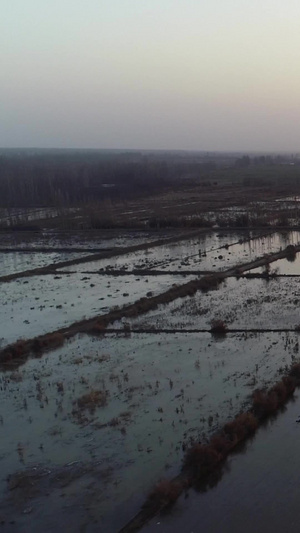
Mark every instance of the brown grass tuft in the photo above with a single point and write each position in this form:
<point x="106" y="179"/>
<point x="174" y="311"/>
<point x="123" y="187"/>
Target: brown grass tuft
<point x="241" y="427"/>
<point x="165" y="493"/>
<point x="221" y="444"/>
<point x="50" y="340"/>
<point x="295" y="370"/>
<point x="291" y="252"/>
<point x="218" y="327"/>
<point x="208" y="283"/>
<point x="203" y="459"/>
<point x="95" y="398"/>
<point x="265" y="403"/>
<point x="290" y="384"/>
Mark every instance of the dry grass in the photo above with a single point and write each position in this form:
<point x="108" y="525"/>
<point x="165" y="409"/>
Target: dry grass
<point x="241" y="427"/>
<point x="291" y="252"/>
<point x="266" y="403"/>
<point x="202" y="459"/>
<point x="14" y="351"/>
<point x="218" y="327"/>
<point x="95" y="398"/>
<point x="208" y="283"/>
<point x="50" y="340"/>
<point x="164" y="493"/>
<point x="295" y="371"/>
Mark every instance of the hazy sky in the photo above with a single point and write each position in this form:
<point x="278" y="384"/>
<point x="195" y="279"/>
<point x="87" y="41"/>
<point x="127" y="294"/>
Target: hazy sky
<point x="174" y="74"/>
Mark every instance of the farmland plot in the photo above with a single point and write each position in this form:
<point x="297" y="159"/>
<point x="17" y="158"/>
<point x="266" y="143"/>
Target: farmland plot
<point x="90" y="417"/>
<point x="80" y="423"/>
<point x="240" y="303"/>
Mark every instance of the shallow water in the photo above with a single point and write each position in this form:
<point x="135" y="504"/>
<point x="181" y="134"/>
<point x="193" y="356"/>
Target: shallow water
<point x="44" y="303"/>
<point x="79" y="239"/>
<point x="207" y="252"/>
<point x="259" y="490"/>
<point x="162" y="390"/>
<point x="15" y="262"/>
<point x="160" y="257"/>
<point x="41" y="304"/>
<point x="240" y="303"/>
<point x="282" y="267"/>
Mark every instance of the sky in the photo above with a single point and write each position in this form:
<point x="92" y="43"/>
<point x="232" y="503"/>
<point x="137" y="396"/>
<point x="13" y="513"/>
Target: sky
<point x="214" y="75"/>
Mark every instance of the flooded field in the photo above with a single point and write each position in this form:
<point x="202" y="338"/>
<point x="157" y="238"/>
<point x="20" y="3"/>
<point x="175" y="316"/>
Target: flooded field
<point x="79" y="240"/>
<point x="15" y="262"/>
<point x="170" y="255"/>
<point x="240" y="303"/>
<point x="102" y="412"/>
<point x="208" y="252"/>
<point x="283" y="267"/>
<point x="81" y="422"/>
<point x="40" y="304"/>
<point x="258" y="491"/>
<point x="22" y="215"/>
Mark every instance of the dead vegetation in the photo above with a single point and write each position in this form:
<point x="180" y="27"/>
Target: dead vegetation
<point x="203" y="460"/>
<point x="291" y="252"/>
<point x="95" y="398"/>
<point x="164" y="494"/>
<point x="21" y="349"/>
<point x="85" y="407"/>
<point x="266" y="403"/>
<point x="218" y="327"/>
<point x="48" y="341"/>
<point x="144" y="305"/>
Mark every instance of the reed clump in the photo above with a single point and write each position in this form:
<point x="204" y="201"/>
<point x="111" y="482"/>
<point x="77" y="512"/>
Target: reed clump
<point x="295" y="372"/>
<point x="218" y="327"/>
<point x="202" y="459"/>
<point x="165" y="493"/>
<point x="239" y="429"/>
<point x="93" y="399"/>
<point x="291" y="252"/>
<point x="266" y="403"/>
<point x="50" y="340"/>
